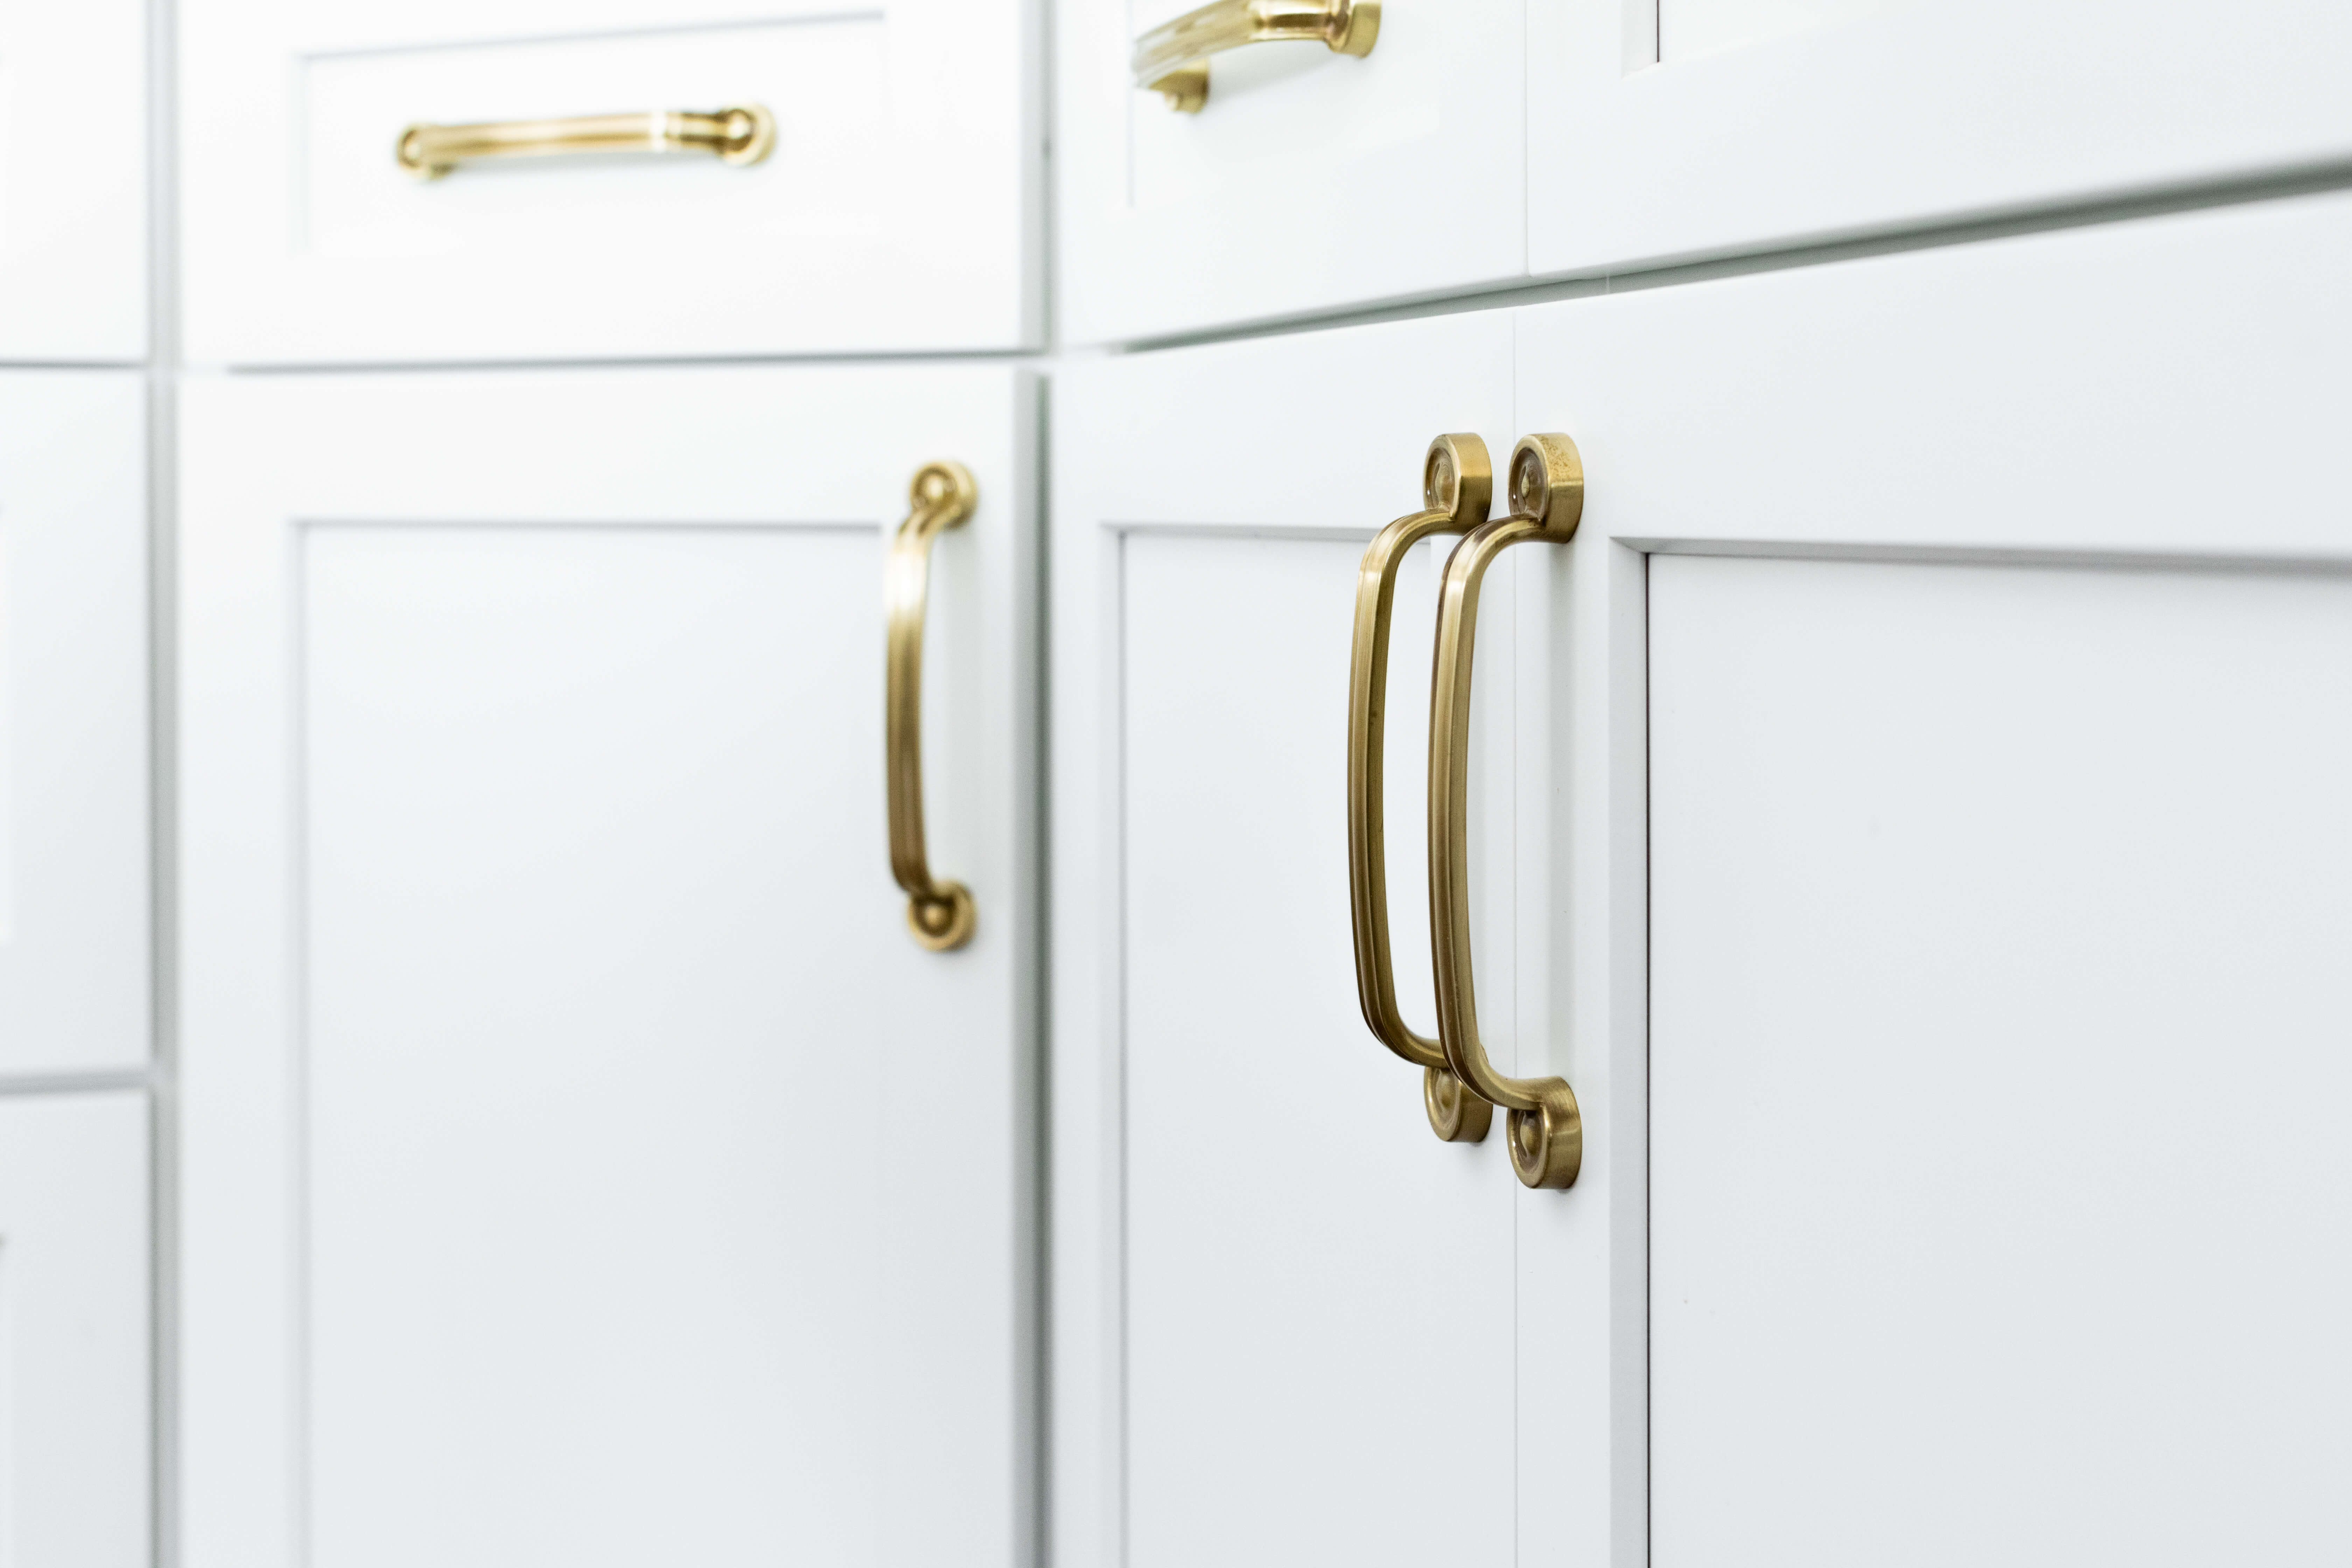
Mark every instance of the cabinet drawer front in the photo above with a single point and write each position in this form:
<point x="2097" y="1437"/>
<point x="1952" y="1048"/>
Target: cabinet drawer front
<point x="74" y="1327"/>
<point x="891" y="210"/>
<point x="1309" y="181"/>
<point x="1687" y="129"/>
<point x="74" y="801"/>
<point x="73" y="182"/>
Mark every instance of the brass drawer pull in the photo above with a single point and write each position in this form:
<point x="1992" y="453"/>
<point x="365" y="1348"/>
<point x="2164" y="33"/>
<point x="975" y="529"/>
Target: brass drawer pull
<point x="1173" y="60"/>
<point x="942" y="496"/>
<point x="1457" y="486"/>
<point x="740" y="135"/>
<point x="1547" y="1131"/>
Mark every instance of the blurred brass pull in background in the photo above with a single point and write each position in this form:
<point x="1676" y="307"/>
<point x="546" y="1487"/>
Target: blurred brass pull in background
<point x="738" y="135"/>
<point x="1173" y="59"/>
<point x="942" y="496"/>
<point x="1457" y="488"/>
<point x="1547" y="497"/>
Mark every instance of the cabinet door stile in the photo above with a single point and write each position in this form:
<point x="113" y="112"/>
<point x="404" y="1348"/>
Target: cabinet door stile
<point x="75" y="803"/>
<point x="1579" y="737"/>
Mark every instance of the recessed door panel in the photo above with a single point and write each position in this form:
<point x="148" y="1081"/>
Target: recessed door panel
<point x="1997" y="922"/>
<point x="1292" y="1228"/>
<point x="569" y="1290"/>
<point x="1688" y="29"/>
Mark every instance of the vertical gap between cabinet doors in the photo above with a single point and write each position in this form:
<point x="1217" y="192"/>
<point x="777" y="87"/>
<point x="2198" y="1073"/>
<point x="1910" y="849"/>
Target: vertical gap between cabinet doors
<point x="1126" y="1547"/>
<point x="1649" y="999"/>
<point x="161" y="374"/>
<point x="1039" y="1275"/>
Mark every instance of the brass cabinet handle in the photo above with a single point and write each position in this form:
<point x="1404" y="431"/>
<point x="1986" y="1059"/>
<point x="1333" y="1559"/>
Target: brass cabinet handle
<point x="1457" y="486"/>
<point x="1173" y="59"/>
<point x="1546" y="495"/>
<point x="744" y="134"/>
<point x="942" y="496"/>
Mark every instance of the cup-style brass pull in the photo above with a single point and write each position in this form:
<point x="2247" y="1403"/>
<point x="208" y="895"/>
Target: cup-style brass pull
<point x="1173" y="59"/>
<point x="1457" y="484"/>
<point x="738" y="135"/>
<point x="942" y="496"/>
<point x="1547" y="497"/>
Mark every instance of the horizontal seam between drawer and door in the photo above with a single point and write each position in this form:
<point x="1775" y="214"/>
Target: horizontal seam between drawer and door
<point x="2244" y="190"/>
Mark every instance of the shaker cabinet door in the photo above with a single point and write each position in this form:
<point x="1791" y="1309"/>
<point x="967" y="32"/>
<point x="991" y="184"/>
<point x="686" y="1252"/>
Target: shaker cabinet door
<point x="1999" y="661"/>
<point x="1672" y="130"/>
<point x="1284" y="1313"/>
<point x="1310" y="177"/>
<point x="586" y="1162"/>
<point x="478" y="180"/>
<point x="75" y="805"/>
<point x="73" y="182"/>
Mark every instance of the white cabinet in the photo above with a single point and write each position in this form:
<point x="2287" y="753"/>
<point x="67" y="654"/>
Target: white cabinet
<point x="1679" y="129"/>
<point x="74" y="793"/>
<point x="895" y="206"/>
<point x="73" y="182"/>
<point x="1309" y="180"/>
<point x="584" y="1161"/>
<point x="73" y="1329"/>
<point x="1907" y="813"/>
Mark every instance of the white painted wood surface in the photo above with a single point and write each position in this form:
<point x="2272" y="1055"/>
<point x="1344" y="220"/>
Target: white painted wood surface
<point x="1994" y="776"/>
<point x="74" y="801"/>
<point x="900" y="209"/>
<point x="73" y="182"/>
<point x="1999" y="1003"/>
<point x="581" y="1156"/>
<point x="1283" y="1310"/>
<point x="74" y="1331"/>
<point x="1696" y="128"/>
<point x="1309" y="182"/>
<point x="1945" y="506"/>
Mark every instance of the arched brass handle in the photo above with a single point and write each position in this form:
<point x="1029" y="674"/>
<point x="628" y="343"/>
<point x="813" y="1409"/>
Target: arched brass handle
<point x="1457" y="486"/>
<point x="744" y="134"/>
<point x="942" y="496"/>
<point x="1173" y="59"/>
<point x="1547" y="497"/>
